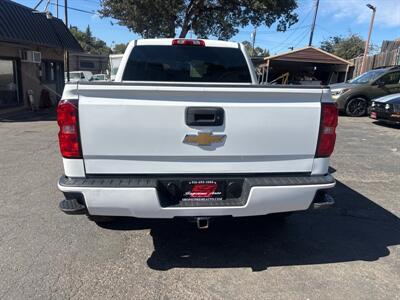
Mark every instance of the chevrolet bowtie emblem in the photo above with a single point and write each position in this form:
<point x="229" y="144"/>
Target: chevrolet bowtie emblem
<point x="204" y="138"/>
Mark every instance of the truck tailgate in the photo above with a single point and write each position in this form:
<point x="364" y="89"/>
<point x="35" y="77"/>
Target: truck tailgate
<point x="140" y="128"/>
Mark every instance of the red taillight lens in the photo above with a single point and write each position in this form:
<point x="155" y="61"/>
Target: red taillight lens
<point x="327" y="131"/>
<point x="68" y="136"/>
<point x="185" y="42"/>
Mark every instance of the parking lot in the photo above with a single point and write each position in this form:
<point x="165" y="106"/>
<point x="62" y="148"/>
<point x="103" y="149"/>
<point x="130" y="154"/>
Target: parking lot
<point x="351" y="250"/>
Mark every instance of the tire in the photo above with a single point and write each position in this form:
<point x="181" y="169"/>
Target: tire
<point x="356" y="107"/>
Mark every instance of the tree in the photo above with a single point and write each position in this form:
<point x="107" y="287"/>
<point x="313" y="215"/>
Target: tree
<point x="88" y="36"/>
<point x="345" y="47"/>
<point x="88" y="42"/>
<point x="119" y="48"/>
<point x="257" y="50"/>
<point x="219" y="18"/>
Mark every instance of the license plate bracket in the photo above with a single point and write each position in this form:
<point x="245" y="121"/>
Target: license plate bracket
<point x="203" y="190"/>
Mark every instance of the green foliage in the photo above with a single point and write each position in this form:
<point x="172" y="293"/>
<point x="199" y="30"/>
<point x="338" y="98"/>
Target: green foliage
<point x="344" y="47"/>
<point x="89" y="43"/>
<point x="119" y="48"/>
<point x="219" y="18"/>
<point x="257" y="50"/>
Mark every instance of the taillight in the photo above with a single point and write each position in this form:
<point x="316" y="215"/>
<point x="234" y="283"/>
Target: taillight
<point x="68" y="136"/>
<point x="327" y="130"/>
<point x="185" y="42"/>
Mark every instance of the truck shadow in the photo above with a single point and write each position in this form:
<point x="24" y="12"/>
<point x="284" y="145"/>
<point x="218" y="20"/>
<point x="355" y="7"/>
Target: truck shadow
<point x="28" y="116"/>
<point x="354" y="229"/>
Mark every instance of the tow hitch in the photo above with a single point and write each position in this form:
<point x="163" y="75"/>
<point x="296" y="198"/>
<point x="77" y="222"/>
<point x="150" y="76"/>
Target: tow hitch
<point x="202" y="222"/>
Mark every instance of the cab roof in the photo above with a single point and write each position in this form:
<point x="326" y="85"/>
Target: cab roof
<point x="168" y="42"/>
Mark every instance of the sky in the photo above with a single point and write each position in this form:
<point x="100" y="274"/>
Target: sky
<point x="335" y="17"/>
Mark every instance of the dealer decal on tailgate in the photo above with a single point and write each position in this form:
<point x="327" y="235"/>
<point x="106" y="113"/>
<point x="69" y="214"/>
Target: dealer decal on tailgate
<point x="203" y="190"/>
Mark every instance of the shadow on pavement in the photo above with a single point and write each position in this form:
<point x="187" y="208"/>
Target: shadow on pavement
<point x="28" y="116"/>
<point x="354" y="229"/>
<point x="383" y="124"/>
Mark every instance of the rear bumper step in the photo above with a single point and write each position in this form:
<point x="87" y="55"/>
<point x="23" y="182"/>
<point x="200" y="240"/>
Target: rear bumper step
<point x="143" y="198"/>
<point x="72" y="207"/>
<point x="151" y="181"/>
<point x="322" y="200"/>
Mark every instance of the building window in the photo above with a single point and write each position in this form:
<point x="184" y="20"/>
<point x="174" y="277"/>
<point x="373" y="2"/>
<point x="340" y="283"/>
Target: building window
<point x="8" y="83"/>
<point x="84" y="64"/>
<point x="48" y="71"/>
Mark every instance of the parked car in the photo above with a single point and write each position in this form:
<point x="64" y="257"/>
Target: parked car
<point x="185" y="130"/>
<point x="386" y="109"/>
<point x="354" y="96"/>
<point x="75" y="76"/>
<point x="99" y="77"/>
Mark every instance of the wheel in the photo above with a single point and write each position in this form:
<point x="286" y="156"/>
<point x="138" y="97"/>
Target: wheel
<point x="101" y="219"/>
<point x="356" y="107"/>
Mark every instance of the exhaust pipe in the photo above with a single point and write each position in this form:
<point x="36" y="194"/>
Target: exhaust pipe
<point x="202" y="222"/>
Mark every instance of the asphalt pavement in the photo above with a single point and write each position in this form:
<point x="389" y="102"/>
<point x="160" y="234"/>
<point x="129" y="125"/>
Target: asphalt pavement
<point x="349" y="251"/>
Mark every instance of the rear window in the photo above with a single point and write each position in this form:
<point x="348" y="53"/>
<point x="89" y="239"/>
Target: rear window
<point x="187" y="64"/>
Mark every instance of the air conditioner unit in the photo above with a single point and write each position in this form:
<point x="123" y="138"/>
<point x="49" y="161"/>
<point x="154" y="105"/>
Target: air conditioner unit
<point x="31" y="56"/>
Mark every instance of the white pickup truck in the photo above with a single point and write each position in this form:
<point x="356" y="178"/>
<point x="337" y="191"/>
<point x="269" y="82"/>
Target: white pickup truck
<point x="185" y="130"/>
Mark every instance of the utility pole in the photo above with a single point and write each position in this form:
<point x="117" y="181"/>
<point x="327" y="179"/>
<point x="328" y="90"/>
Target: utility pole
<point x="66" y="24"/>
<point x="57" y="8"/>
<point x="253" y="36"/>
<point x="363" y="65"/>
<point x="313" y="24"/>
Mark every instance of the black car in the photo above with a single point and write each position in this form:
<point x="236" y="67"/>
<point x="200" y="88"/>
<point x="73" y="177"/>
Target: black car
<point x="386" y="109"/>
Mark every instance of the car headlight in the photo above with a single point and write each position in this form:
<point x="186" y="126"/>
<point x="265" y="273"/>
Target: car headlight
<point x="387" y="106"/>
<point x="373" y="104"/>
<point x="338" y="92"/>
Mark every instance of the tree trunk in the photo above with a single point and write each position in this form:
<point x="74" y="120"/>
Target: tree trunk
<point x="184" y="32"/>
<point x="186" y="20"/>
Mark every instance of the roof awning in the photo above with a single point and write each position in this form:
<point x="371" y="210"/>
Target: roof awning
<point x="307" y="55"/>
<point x="23" y="25"/>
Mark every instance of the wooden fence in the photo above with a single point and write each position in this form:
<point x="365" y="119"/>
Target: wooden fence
<point x="384" y="59"/>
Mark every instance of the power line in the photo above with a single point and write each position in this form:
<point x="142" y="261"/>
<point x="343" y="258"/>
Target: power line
<point x="37" y="5"/>
<point x="298" y="27"/>
<point x="279" y="43"/>
<point x="293" y="43"/>
<point x="301" y="39"/>
<point x="275" y="32"/>
<point x="76" y="9"/>
<point x="324" y="29"/>
<point x="92" y="1"/>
